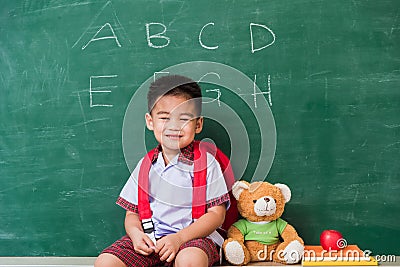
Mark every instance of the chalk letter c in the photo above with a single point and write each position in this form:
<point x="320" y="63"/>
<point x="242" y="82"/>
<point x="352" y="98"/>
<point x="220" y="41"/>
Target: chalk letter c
<point x="201" y="43"/>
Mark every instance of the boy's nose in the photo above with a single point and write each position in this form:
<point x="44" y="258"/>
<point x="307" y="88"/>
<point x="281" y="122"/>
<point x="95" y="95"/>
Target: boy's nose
<point x="174" y="124"/>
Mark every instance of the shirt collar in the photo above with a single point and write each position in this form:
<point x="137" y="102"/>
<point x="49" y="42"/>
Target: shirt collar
<point x="185" y="156"/>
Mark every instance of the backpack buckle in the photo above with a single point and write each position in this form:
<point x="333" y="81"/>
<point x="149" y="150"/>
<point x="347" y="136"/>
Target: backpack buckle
<point x="148" y="229"/>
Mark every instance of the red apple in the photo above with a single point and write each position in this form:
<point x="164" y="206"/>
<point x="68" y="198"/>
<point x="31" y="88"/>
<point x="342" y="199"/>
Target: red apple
<point x="332" y="240"/>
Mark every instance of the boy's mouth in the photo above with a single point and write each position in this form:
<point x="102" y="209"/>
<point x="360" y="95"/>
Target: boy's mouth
<point x="174" y="136"/>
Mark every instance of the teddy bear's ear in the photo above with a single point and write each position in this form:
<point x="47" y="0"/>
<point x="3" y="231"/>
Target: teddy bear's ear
<point x="287" y="194"/>
<point x="238" y="188"/>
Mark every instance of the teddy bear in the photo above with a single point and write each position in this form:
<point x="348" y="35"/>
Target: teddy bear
<point x="261" y="235"/>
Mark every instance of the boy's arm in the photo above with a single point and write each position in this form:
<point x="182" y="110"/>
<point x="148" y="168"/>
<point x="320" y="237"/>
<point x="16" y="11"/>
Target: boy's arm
<point x="133" y="227"/>
<point x="205" y="225"/>
<point x="215" y="215"/>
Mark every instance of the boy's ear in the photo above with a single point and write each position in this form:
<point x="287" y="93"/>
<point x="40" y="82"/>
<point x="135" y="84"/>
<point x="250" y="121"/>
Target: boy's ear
<point x="199" y="125"/>
<point x="149" y="121"/>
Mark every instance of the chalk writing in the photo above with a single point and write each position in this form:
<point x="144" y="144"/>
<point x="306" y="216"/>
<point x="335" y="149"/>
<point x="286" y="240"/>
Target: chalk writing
<point x="200" y="40"/>
<point x="113" y="36"/>
<point x="269" y="90"/>
<point x="218" y="91"/>
<point x="161" y="37"/>
<point x="157" y="73"/>
<point x="160" y="40"/>
<point x="102" y="91"/>
<point x="255" y="93"/>
<point x="157" y="35"/>
<point x="209" y="73"/>
<point x="252" y="38"/>
<point x="164" y="41"/>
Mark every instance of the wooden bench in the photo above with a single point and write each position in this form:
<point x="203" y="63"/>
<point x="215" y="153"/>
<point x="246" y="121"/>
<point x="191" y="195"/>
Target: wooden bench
<point x="74" y="261"/>
<point x="89" y="261"/>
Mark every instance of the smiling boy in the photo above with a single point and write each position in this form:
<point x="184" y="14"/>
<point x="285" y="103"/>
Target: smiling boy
<point x="174" y="104"/>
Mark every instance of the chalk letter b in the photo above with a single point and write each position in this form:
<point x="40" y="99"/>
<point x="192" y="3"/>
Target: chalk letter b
<point x="157" y="35"/>
<point x="252" y="41"/>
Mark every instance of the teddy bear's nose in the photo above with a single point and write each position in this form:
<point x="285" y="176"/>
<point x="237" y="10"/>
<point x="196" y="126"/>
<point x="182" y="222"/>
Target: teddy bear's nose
<point x="266" y="199"/>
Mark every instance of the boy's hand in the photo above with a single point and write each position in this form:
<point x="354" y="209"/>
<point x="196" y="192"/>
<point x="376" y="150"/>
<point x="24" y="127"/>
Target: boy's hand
<point x="142" y="243"/>
<point x="168" y="246"/>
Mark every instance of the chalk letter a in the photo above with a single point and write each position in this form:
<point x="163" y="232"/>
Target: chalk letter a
<point x="252" y="41"/>
<point x="157" y="35"/>
<point x="94" y="38"/>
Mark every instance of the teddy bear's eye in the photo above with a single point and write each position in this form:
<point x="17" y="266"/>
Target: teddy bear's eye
<point x="255" y="200"/>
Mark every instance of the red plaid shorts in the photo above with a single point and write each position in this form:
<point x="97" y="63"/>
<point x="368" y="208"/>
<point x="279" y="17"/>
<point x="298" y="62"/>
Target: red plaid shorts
<point x="123" y="249"/>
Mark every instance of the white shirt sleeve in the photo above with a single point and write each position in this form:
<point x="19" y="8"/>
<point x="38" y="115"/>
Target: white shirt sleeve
<point x="130" y="190"/>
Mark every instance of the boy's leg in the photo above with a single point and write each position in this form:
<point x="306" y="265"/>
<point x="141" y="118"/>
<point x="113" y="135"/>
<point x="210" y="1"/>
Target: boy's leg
<point x="107" y="260"/>
<point x="122" y="251"/>
<point x="197" y="252"/>
<point x="191" y="256"/>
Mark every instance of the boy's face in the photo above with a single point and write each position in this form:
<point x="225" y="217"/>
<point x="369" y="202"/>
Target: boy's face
<point x="174" y="123"/>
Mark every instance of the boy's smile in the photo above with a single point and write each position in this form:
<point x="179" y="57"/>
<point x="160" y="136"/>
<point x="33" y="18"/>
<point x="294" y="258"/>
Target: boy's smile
<point x="174" y="122"/>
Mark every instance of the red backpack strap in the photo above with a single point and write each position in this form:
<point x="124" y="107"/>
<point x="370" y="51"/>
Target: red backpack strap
<point x="143" y="196"/>
<point x="199" y="184"/>
<point x="143" y="187"/>
<point x="223" y="161"/>
<point x="199" y="181"/>
<point x="232" y="214"/>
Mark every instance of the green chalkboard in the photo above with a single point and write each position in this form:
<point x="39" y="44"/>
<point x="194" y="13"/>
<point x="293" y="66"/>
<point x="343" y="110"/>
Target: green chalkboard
<point x="306" y="92"/>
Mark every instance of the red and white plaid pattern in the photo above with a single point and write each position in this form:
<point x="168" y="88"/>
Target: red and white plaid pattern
<point x="126" y="205"/>
<point x="123" y="249"/>
<point x="186" y="155"/>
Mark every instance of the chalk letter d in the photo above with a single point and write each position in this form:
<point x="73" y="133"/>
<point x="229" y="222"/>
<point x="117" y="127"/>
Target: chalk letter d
<point x="252" y="41"/>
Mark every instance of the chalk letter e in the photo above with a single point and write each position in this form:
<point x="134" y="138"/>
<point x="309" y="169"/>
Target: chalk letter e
<point x="158" y="35"/>
<point x="252" y="41"/>
<point x="92" y="92"/>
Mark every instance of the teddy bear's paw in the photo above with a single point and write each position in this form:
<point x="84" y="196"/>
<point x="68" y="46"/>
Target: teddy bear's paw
<point x="234" y="253"/>
<point x="293" y="252"/>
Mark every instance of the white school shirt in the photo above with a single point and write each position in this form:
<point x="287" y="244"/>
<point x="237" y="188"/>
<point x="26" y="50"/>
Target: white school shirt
<point x="171" y="192"/>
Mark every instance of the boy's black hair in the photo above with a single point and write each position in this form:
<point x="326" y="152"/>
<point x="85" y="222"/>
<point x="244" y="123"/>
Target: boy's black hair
<point x="174" y="85"/>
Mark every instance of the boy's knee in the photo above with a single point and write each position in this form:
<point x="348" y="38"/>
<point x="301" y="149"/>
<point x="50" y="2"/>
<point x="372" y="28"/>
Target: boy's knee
<point x="107" y="260"/>
<point x="189" y="257"/>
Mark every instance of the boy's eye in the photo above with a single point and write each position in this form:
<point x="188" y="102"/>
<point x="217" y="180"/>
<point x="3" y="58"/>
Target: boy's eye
<point x="164" y="118"/>
<point x="185" y="119"/>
